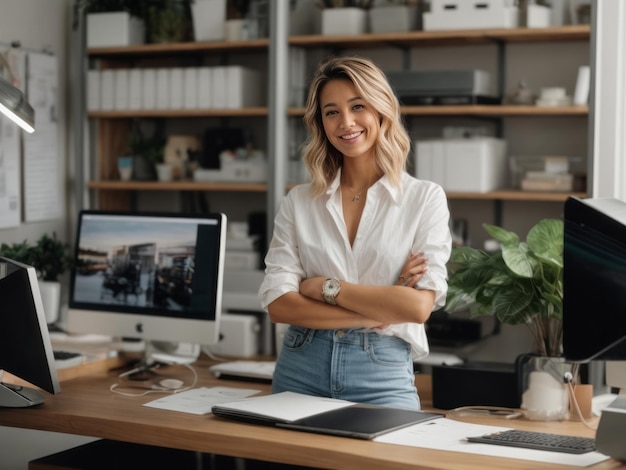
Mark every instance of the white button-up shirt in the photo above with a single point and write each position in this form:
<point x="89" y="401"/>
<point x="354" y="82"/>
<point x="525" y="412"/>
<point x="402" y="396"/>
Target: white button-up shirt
<point x="310" y="239"/>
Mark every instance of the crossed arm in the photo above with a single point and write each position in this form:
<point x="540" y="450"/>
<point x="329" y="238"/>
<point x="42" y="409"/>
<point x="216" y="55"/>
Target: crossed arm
<point x="358" y="306"/>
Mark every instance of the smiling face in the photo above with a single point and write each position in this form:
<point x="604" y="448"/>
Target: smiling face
<point x="350" y="123"/>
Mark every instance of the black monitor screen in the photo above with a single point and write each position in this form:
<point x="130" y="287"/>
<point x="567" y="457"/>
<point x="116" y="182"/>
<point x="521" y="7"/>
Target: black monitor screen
<point x="594" y="279"/>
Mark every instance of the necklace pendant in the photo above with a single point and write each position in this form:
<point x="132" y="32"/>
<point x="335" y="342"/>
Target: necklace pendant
<point x="356" y="198"/>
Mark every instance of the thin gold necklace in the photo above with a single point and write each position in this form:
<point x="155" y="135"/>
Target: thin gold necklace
<point x="356" y="196"/>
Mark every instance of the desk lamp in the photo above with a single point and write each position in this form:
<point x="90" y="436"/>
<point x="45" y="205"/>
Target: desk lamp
<point x="14" y="105"/>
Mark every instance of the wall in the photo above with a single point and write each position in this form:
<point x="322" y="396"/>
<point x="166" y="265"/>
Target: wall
<point x="40" y="25"/>
<point x="37" y="28"/>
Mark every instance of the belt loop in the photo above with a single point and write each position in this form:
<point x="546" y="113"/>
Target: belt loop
<point x="365" y="340"/>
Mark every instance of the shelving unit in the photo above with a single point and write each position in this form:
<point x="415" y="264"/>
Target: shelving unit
<point x="114" y="194"/>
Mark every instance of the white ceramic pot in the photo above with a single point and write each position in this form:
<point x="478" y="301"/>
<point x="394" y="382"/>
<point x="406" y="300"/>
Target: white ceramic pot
<point x="344" y="21"/>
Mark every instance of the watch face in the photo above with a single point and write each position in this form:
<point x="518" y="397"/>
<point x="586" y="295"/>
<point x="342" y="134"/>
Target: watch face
<point x="332" y="287"/>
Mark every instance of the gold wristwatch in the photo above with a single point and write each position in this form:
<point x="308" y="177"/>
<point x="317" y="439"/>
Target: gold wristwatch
<point x="330" y="290"/>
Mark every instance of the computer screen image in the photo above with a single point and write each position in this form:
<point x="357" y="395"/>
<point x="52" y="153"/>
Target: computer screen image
<point x="594" y="302"/>
<point x="156" y="277"/>
<point x="25" y="348"/>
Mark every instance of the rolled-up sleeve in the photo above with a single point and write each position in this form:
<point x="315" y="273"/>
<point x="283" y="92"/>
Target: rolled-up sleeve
<point x="283" y="271"/>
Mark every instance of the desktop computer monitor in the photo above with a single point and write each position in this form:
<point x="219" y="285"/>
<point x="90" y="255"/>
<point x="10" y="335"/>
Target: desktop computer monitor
<point x="155" y="277"/>
<point x="25" y="348"/>
<point x="594" y="301"/>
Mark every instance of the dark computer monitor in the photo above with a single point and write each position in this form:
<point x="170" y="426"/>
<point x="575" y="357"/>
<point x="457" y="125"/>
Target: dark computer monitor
<point x="594" y="302"/>
<point x="594" y="279"/>
<point x="155" y="277"/>
<point x="25" y="348"/>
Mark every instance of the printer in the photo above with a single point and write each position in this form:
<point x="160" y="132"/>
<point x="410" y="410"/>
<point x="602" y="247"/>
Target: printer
<point x="443" y="87"/>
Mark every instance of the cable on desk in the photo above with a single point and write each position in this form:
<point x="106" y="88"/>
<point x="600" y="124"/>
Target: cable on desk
<point x="488" y="411"/>
<point x="157" y="388"/>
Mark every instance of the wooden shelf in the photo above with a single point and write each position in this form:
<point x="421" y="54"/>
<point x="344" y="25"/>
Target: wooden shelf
<point x="447" y="38"/>
<point x="516" y="195"/>
<point x="178" y="113"/>
<point x="406" y="39"/>
<point x="482" y="110"/>
<point x="114" y="123"/>
<point x="179" y="47"/>
<point x="183" y="185"/>
<point x="188" y="185"/>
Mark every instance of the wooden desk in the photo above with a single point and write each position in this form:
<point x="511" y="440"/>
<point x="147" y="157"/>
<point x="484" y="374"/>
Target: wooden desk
<point x="86" y="407"/>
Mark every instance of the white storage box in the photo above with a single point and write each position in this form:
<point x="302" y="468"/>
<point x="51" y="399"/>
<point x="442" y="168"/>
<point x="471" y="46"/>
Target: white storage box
<point x="114" y="29"/>
<point x="463" y="165"/>
<point x="464" y="14"/>
<point x="235" y="171"/>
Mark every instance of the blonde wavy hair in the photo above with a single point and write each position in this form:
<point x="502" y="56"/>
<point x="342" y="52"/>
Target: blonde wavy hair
<point x="320" y="157"/>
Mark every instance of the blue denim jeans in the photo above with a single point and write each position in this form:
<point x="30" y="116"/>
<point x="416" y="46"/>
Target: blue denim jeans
<point x="354" y="365"/>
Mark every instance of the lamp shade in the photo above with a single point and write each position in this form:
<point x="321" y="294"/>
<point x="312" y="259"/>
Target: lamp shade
<point x="14" y="105"/>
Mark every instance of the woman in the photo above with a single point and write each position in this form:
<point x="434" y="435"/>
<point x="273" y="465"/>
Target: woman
<point x="357" y="260"/>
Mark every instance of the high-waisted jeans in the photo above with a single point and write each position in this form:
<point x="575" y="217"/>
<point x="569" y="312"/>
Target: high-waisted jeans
<point x="354" y="364"/>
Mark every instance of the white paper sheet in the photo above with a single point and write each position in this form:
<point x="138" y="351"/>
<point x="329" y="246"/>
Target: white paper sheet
<point x="42" y="190"/>
<point x="200" y="400"/>
<point x="286" y="406"/>
<point x="450" y="435"/>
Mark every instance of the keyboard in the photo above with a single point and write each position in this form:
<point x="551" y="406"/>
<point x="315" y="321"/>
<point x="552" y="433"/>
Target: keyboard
<point x="538" y="441"/>
<point x="63" y="359"/>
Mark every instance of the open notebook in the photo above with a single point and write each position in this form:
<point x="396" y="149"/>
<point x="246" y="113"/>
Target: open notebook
<point x="321" y="415"/>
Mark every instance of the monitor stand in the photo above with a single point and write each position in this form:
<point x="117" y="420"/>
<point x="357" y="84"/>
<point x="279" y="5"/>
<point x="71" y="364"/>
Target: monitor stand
<point x="162" y="352"/>
<point x="18" y="396"/>
<point x="611" y="428"/>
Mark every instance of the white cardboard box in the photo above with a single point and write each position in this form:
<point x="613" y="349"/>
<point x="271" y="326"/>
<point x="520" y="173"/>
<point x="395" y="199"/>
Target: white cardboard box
<point x="162" y="88"/>
<point x="235" y="171"/>
<point x="134" y="88"/>
<point x="463" y="165"/>
<point x="242" y="87"/>
<point x="176" y="88"/>
<point x="148" y="89"/>
<point x="107" y="90"/>
<point x="121" y="91"/>
<point x="112" y="29"/>
<point x="205" y="87"/>
<point x="218" y="88"/>
<point x="464" y="14"/>
<point x="93" y="90"/>
<point x="190" y="87"/>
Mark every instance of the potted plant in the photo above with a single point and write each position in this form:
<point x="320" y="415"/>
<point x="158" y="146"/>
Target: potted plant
<point x="50" y="257"/>
<point x="147" y="152"/>
<point x="522" y="284"/>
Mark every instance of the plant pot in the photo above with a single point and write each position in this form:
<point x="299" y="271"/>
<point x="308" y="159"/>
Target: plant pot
<point x="125" y="167"/>
<point x="393" y="19"/>
<point x="165" y="171"/>
<point x="51" y="298"/>
<point x="208" y="19"/>
<point x="143" y="169"/>
<point x="113" y="29"/>
<point x="344" y="21"/>
<point x="545" y="395"/>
